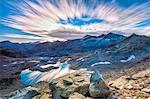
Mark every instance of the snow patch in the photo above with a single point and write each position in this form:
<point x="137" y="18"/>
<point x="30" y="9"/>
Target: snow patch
<point x="49" y="61"/>
<point x="4" y="65"/>
<point x="101" y="63"/>
<point x="34" y="61"/>
<point x="14" y="63"/>
<point x="49" y="65"/>
<point x="43" y="58"/>
<point x="52" y="57"/>
<point x="129" y="59"/>
<point x="21" y="61"/>
<point x="80" y="59"/>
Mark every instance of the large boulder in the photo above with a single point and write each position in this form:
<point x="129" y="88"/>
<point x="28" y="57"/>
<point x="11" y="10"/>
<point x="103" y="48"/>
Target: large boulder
<point x="98" y="87"/>
<point x="44" y="90"/>
<point x="43" y="87"/>
<point x="75" y="82"/>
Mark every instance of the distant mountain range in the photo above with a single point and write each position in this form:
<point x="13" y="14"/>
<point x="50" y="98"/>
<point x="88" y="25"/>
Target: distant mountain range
<point x="58" y="48"/>
<point x="112" y="43"/>
<point x="125" y="52"/>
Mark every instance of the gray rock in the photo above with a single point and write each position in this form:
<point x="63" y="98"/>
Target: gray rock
<point x="75" y="82"/>
<point x="44" y="90"/>
<point x="30" y="94"/>
<point x="98" y="87"/>
<point x="41" y="96"/>
<point x="43" y="87"/>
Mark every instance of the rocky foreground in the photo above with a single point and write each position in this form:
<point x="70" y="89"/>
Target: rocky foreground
<point x="83" y="84"/>
<point x="136" y="86"/>
<point x="129" y="83"/>
<point x="132" y="83"/>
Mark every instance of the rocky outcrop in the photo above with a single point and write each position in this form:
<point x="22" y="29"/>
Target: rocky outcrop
<point x="98" y="87"/>
<point x="77" y="85"/>
<point x="135" y="86"/>
<point x="83" y="84"/>
<point x="75" y="82"/>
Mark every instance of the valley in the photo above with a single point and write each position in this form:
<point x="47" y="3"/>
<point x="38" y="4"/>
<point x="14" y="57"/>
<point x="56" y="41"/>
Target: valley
<point x="118" y="60"/>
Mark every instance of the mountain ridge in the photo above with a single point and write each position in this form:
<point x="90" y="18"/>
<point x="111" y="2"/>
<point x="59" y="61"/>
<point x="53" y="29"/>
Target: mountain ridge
<point x="59" y="48"/>
<point x="88" y="43"/>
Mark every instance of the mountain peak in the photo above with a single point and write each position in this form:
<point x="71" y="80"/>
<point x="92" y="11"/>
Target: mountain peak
<point x="135" y="36"/>
<point x="114" y="35"/>
<point x="88" y="36"/>
<point x="6" y="41"/>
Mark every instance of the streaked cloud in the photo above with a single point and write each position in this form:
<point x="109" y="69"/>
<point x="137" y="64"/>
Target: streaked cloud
<point x="69" y="19"/>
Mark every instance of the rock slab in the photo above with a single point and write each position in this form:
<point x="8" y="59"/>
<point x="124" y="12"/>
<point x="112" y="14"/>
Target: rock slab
<point x="98" y="87"/>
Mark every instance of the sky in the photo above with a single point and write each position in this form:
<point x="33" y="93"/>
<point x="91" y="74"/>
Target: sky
<point x="51" y="20"/>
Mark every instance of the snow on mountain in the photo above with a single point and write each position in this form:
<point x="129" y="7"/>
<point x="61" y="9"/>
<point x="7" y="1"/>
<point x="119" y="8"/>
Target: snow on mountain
<point x="34" y="61"/>
<point x="58" y="48"/>
<point x="128" y="59"/>
<point x="100" y="63"/>
<point x="80" y="59"/>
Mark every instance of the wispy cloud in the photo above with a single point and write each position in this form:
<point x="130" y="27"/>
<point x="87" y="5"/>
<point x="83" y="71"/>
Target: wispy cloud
<point x="44" y="17"/>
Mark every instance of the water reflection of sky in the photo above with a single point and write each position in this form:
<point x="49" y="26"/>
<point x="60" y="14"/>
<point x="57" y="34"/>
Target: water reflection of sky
<point x="29" y="77"/>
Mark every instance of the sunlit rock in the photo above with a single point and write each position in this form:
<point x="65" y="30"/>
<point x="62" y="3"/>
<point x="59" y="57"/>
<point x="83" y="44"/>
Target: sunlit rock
<point x="98" y="87"/>
<point x="76" y="96"/>
<point x="75" y="82"/>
